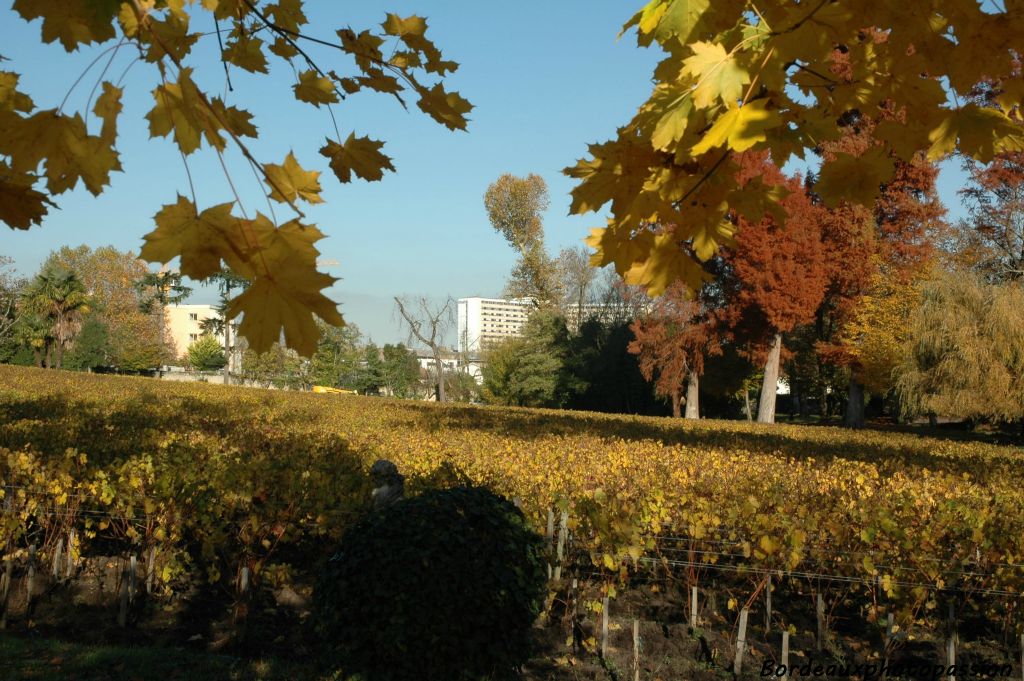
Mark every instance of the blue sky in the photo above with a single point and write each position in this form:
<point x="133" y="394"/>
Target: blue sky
<point x="546" y="79"/>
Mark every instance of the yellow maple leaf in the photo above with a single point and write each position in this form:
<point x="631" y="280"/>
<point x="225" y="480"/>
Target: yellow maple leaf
<point x="180" y="109"/>
<point x="447" y="108"/>
<point x="359" y="155"/>
<point x="247" y="53"/>
<point x="718" y="76"/>
<point x="21" y="206"/>
<point x="397" y="26"/>
<point x="72" y="22"/>
<point x="856" y="179"/>
<point x="665" y="263"/>
<point x="740" y="128"/>
<point x="981" y="132"/>
<point x="10" y="98"/>
<point x="315" y="89"/>
<point x="200" y="239"/>
<point x="107" y="108"/>
<point x="289" y="182"/>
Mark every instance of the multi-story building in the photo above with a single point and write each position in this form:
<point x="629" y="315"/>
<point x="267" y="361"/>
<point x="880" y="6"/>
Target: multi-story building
<point x="185" y="323"/>
<point x="482" y="322"/>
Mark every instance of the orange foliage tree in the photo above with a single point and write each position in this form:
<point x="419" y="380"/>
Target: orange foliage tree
<point x="774" y="275"/>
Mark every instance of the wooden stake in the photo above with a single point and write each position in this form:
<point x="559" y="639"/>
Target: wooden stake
<point x="950" y="656"/>
<point x="31" y="580"/>
<point x="785" y="653"/>
<point x="604" y="627"/>
<point x="741" y="643"/>
<point x="1022" y="657"/>
<point x="636" y="650"/>
<point x="151" y="569"/>
<point x="122" y="613"/>
<point x="549" y="535"/>
<point x="693" y="607"/>
<point x="5" y="587"/>
<point x="820" y="609"/>
<point x="56" y="559"/>
<point x="768" y="604"/>
<point x="133" y="564"/>
<point x="563" y="529"/>
<point x="243" y="581"/>
<point x="71" y="556"/>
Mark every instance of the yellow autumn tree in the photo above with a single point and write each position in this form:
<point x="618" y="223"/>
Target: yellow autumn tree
<point x="48" y="150"/>
<point x="788" y="77"/>
<point x="875" y="339"/>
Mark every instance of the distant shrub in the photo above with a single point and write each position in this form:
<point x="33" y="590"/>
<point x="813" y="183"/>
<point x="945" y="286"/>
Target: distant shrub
<point x="445" y="585"/>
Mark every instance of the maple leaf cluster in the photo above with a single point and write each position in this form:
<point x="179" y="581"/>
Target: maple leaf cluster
<point x="788" y="78"/>
<point x="44" y="153"/>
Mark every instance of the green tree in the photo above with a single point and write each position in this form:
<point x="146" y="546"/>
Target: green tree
<point x="92" y="345"/>
<point x="226" y="282"/>
<point x="531" y="371"/>
<point x="57" y="295"/>
<point x="370" y="377"/>
<point x="279" y="367"/>
<point x="10" y="291"/>
<point x="205" y="354"/>
<point x="335" y="363"/>
<point x="400" y="370"/>
<point x="157" y="290"/>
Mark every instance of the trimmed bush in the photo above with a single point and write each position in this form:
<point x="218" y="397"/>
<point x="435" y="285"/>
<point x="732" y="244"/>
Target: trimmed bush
<point x="445" y="585"/>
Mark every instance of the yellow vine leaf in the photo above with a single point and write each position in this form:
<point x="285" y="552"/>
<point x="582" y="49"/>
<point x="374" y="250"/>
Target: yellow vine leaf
<point x="740" y="128"/>
<point x="72" y="22"/>
<point x="668" y="19"/>
<point x="397" y="26"/>
<point x="200" y="239"/>
<point x="315" y="89"/>
<point x="673" y="117"/>
<point x="755" y="199"/>
<point x="167" y="37"/>
<point x="717" y="75"/>
<point x="359" y="155"/>
<point x="856" y="179"/>
<point x="289" y="182"/>
<point x="180" y="109"/>
<point x="665" y="262"/>
<point x="708" y="237"/>
<point x="447" y="108"/>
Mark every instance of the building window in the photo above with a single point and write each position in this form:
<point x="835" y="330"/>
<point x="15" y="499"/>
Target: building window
<point x="193" y="336"/>
<point x="194" y="316"/>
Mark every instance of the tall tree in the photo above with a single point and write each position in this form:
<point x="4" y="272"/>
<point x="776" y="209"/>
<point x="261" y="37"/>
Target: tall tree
<point x="336" y="361"/>
<point x="965" y="353"/>
<point x="532" y="370"/>
<point x="205" y="354"/>
<point x="429" y="324"/>
<point x="158" y="290"/>
<point x="10" y="290"/>
<point x="226" y="281"/>
<point x="400" y="370"/>
<point x="57" y="295"/>
<point x="515" y="207"/>
<point x="577" y="284"/>
<point x="774" y="275"/>
<point x="671" y="343"/>
<point x="45" y="153"/>
<point x="992" y="235"/>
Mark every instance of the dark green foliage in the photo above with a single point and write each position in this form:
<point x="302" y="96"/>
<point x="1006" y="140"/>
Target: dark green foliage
<point x="92" y="346"/>
<point x="444" y="585"/>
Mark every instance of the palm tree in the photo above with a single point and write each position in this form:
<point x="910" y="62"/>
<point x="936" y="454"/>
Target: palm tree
<point x="161" y="289"/>
<point x="58" y="295"/>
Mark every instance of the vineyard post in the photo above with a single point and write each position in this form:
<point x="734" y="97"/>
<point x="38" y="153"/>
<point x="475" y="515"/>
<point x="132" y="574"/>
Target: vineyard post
<point x="70" y="565"/>
<point x="604" y="627"/>
<point x="693" y="607"/>
<point x="636" y="649"/>
<point x="563" y="529"/>
<point x="889" y="622"/>
<point x="151" y="569"/>
<point x="574" y="614"/>
<point x="741" y="642"/>
<point x="785" y="654"/>
<point x="820" y="611"/>
<point x="122" y="613"/>
<point x="31" y="578"/>
<point x="56" y="559"/>
<point x="133" y="565"/>
<point x="768" y="604"/>
<point x="1022" y="657"/>
<point x="549" y="535"/>
<point x="5" y="586"/>
<point x="951" y="640"/>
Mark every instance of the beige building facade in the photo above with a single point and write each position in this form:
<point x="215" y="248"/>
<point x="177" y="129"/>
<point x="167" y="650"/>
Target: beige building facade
<point x="185" y="323"/>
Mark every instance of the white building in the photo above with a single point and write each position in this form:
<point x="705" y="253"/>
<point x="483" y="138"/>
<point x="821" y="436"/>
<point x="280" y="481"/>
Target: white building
<point x="185" y="323"/>
<point x="482" y="322"/>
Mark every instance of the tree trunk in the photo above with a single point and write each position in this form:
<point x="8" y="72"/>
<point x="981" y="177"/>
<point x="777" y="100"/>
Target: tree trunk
<point x="59" y="355"/>
<point x="676" y="399"/>
<point x="854" y="417"/>
<point x="766" y="405"/>
<point x="824" y="403"/>
<point x="693" y="396"/>
<point x="160" y="366"/>
<point x="441" y="397"/>
<point x="746" y="401"/>
<point x="933" y="420"/>
<point x="227" y="350"/>
<point x="49" y="355"/>
<point x="39" y="357"/>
